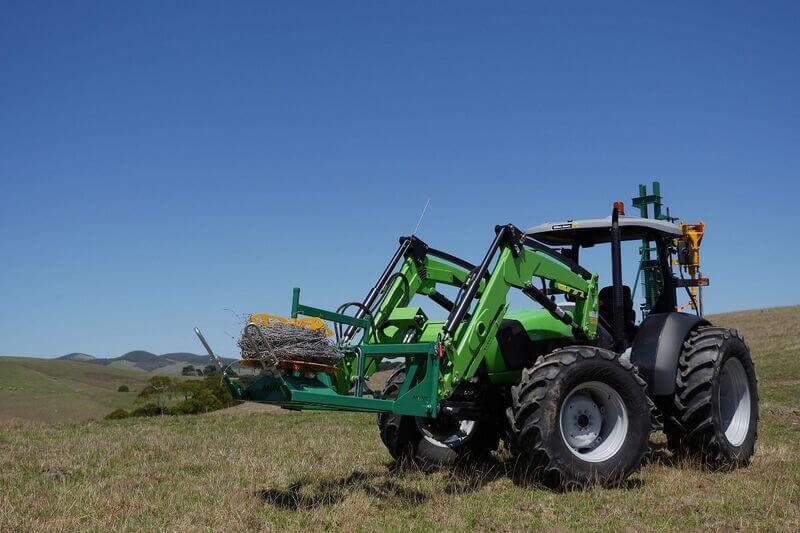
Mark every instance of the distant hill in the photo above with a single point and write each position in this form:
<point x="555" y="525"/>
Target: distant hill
<point x="140" y="356"/>
<point x="142" y="360"/>
<point x="190" y="358"/>
<point x="82" y="357"/>
<point x="64" y="390"/>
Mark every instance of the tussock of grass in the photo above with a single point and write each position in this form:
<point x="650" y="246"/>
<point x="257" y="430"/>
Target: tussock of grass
<point x="264" y="471"/>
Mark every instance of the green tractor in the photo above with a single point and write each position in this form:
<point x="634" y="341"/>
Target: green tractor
<point x="574" y="387"/>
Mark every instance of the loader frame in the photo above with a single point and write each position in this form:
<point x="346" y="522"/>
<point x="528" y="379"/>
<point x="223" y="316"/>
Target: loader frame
<point x="439" y="357"/>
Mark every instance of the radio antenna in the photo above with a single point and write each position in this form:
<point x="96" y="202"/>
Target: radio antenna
<point x="421" y="216"/>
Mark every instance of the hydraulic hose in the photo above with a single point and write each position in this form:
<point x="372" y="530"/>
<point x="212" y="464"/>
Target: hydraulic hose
<point x="463" y="303"/>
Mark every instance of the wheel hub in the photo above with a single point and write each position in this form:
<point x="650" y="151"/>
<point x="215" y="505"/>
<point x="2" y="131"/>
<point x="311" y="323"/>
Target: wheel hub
<point x="594" y="421"/>
<point x="445" y="431"/>
<point x="583" y="421"/>
<point x="734" y="401"/>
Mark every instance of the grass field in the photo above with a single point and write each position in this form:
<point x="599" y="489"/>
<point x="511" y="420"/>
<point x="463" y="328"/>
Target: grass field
<point x="42" y="390"/>
<point x="267" y="471"/>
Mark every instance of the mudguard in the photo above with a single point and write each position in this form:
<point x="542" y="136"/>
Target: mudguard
<point x="657" y="347"/>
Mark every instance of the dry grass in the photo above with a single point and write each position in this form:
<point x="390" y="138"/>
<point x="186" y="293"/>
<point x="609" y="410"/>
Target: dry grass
<point x="264" y="471"/>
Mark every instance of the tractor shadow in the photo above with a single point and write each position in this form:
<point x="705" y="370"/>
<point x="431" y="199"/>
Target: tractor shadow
<point x="395" y="484"/>
<point x="660" y="454"/>
<point x="306" y="494"/>
<point x="551" y="481"/>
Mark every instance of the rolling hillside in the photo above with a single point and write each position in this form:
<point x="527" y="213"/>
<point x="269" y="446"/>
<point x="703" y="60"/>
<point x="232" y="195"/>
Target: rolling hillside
<point x="169" y="364"/>
<point x="49" y="390"/>
<point x="77" y="356"/>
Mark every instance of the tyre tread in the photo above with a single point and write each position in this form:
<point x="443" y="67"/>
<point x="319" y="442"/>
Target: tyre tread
<point x="524" y="414"/>
<point x="690" y="425"/>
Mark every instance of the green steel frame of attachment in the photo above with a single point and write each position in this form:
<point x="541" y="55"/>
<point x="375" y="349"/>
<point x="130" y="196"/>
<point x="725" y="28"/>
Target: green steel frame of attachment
<point x="419" y="394"/>
<point x="299" y="390"/>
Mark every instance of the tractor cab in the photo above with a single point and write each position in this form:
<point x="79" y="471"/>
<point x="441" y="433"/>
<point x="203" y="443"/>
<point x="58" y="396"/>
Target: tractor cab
<point x="570" y="236"/>
<point x="664" y="244"/>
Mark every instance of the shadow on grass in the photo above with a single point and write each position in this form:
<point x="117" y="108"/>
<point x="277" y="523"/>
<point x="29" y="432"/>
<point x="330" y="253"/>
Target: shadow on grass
<point x="552" y="481"/>
<point x="549" y="478"/>
<point x="660" y="454"/>
<point x="306" y="494"/>
<point x="385" y="485"/>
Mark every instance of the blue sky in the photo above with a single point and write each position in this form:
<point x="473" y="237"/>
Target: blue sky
<point x="163" y="163"/>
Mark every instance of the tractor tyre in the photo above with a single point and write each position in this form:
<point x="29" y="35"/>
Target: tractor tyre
<point x="714" y="411"/>
<point x="432" y="443"/>
<point x="579" y="417"/>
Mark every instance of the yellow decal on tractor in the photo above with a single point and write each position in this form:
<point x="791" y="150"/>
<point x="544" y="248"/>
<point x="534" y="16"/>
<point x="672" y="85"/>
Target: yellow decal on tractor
<point x="266" y="319"/>
<point x="569" y="290"/>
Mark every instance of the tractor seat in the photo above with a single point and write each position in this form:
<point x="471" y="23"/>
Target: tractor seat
<point x="606" y="309"/>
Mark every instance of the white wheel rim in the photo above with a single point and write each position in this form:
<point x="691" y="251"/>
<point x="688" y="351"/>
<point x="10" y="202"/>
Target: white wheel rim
<point x="449" y="437"/>
<point x="594" y="422"/>
<point x="733" y="399"/>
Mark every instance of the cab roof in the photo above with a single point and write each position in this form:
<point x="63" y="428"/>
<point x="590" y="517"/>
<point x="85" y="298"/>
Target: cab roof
<point x="598" y="230"/>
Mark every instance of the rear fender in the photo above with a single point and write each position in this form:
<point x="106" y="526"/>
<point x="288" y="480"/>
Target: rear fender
<point x="657" y="347"/>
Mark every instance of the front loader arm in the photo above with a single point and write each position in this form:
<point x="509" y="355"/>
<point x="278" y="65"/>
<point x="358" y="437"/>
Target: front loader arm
<point x="414" y="277"/>
<point x="516" y="266"/>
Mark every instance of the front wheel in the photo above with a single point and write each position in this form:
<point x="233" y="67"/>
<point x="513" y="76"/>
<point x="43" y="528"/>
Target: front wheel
<point x="430" y="443"/>
<point x="580" y="416"/>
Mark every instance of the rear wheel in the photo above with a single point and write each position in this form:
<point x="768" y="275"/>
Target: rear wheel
<point x="714" y="412"/>
<point x="580" y="416"/>
<point x="442" y="441"/>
